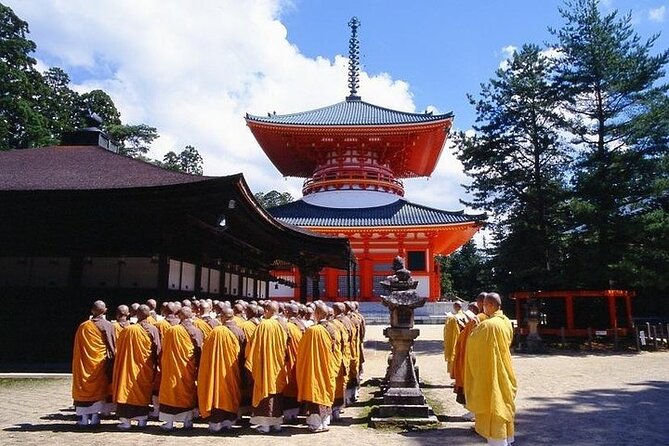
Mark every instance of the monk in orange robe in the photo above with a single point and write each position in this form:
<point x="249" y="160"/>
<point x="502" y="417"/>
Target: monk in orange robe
<point x="355" y="364"/>
<point x="345" y="326"/>
<point x="182" y="344"/>
<point x="218" y="380"/>
<point x="153" y="316"/>
<point x="265" y="359"/>
<point x="92" y="365"/>
<point x="136" y="362"/>
<point x="168" y="317"/>
<point x="204" y="321"/>
<point x="317" y="370"/>
<point x="291" y="407"/>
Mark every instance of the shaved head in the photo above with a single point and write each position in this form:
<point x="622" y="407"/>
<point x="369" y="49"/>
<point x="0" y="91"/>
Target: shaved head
<point x="185" y="313"/>
<point x="143" y="312"/>
<point x="98" y="308"/>
<point x="152" y="304"/>
<point x="122" y="311"/>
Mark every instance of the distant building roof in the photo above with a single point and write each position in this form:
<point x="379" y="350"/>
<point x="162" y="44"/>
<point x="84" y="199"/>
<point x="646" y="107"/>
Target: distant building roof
<point x="399" y="213"/>
<point x="351" y="112"/>
<point x="81" y="168"/>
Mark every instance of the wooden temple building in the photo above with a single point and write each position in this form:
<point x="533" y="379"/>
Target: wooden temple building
<point x="80" y="222"/>
<point x="575" y="313"/>
<point x="353" y="156"/>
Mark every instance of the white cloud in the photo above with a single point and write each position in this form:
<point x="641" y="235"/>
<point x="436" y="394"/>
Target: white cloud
<point x="657" y="14"/>
<point x="507" y="53"/>
<point x="195" y="71"/>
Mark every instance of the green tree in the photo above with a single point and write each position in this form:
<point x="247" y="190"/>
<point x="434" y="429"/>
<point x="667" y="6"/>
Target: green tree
<point x="515" y="160"/>
<point x="58" y="103"/>
<point x="273" y="198"/>
<point x="21" y="125"/>
<point x="613" y="103"/>
<point x="188" y="161"/>
<point x="467" y="271"/>
<point x="133" y="140"/>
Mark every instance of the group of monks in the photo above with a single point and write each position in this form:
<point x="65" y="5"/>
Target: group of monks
<point x="477" y="350"/>
<point x="218" y="361"/>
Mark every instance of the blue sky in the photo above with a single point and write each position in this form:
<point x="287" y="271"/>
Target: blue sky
<point x="193" y="69"/>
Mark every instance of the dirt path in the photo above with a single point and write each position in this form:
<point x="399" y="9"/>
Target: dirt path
<point x="604" y="399"/>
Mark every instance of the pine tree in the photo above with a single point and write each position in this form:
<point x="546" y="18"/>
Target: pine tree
<point x="613" y="104"/>
<point x="516" y="160"/>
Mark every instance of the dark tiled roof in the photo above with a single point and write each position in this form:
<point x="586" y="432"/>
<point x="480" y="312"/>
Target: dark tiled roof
<point x="399" y="213"/>
<point x="81" y="168"/>
<point x="350" y="112"/>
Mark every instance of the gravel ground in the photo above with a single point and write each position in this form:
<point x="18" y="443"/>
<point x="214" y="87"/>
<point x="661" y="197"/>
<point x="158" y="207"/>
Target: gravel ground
<point x="563" y="399"/>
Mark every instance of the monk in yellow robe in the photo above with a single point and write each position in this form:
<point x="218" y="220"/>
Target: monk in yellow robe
<point x="181" y="347"/>
<point x="317" y="369"/>
<point x="265" y="359"/>
<point x="291" y="407"/>
<point x="452" y="326"/>
<point x="490" y="381"/>
<point x="135" y="365"/>
<point x="92" y="365"/>
<point x="218" y="379"/>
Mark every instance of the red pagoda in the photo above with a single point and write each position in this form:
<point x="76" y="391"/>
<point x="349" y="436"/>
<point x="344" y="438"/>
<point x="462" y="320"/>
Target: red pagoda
<point x="353" y="156"/>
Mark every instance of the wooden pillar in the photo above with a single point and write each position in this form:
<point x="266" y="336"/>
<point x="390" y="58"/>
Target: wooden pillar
<point x="348" y="280"/>
<point x="569" y="308"/>
<point x="316" y="285"/>
<point x="303" y="286"/>
<point x="163" y="278"/>
<point x="331" y="283"/>
<point x="267" y="289"/>
<point x="628" y="309"/>
<point x="613" y="320"/>
<point x="354" y="289"/>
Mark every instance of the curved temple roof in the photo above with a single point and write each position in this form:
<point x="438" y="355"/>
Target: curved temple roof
<point x="398" y="213"/>
<point x="351" y="112"/>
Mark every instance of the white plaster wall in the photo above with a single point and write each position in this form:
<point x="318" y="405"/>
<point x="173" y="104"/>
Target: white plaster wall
<point x="350" y="198"/>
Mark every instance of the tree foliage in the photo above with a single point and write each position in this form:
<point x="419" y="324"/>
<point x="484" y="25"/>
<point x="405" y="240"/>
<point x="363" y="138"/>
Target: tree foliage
<point x="516" y="163"/>
<point x="618" y="123"/>
<point x="569" y="153"/>
<point x="35" y="109"/>
<point x="188" y="161"/>
<point x="273" y="198"/>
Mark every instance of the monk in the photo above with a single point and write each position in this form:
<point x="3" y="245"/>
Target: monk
<point x="474" y="317"/>
<point x="317" y="371"/>
<point x="218" y="379"/>
<point x="133" y="312"/>
<point x="153" y="316"/>
<point x="345" y="327"/>
<point x="490" y="381"/>
<point x="168" y="318"/>
<point x="121" y="321"/>
<point x="291" y="407"/>
<point x="265" y="359"/>
<point x="205" y="322"/>
<point x="182" y="344"/>
<point x="135" y="365"/>
<point x="355" y="365"/>
<point x="92" y="365"/>
<point x="240" y="312"/>
<point x="454" y="323"/>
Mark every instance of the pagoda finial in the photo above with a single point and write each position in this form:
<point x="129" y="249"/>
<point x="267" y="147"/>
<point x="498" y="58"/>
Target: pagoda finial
<point x="353" y="60"/>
